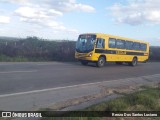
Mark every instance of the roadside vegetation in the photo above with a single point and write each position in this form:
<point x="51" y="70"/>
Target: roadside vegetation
<point x="37" y="49"/>
<point x="145" y="100"/>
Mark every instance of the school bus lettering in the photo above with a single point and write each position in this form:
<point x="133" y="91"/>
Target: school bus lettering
<point x="121" y="52"/>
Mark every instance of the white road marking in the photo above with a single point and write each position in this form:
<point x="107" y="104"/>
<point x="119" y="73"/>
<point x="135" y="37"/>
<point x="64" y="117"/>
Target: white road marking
<point x="50" y="89"/>
<point x="58" y="88"/>
<point x="18" y="71"/>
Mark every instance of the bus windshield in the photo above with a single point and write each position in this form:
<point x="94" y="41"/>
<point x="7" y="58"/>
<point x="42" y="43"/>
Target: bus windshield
<point x="85" y="43"/>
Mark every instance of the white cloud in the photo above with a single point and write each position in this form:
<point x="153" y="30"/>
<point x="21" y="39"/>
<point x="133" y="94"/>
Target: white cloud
<point x="42" y="17"/>
<point x="58" y="5"/>
<point x="45" y="12"/>
<point x="137" y="12"/>
<point x="1" y="11"/>
<point x="16" y="1"/>
<point x="69" y="5"/>
<point x="85" y="8"/>
<point x="4" y="19"/>
<point x="37" y="12"/>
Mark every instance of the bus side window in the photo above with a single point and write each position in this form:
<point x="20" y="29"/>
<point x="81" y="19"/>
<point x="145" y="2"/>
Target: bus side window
<point x="120" y="44"/>
<point x="136" y="46"/>
<point x="100" y="43"/>
<point x="112" y="43"/>
<point x="129" y="45"/>
<point x="143" y="47"/>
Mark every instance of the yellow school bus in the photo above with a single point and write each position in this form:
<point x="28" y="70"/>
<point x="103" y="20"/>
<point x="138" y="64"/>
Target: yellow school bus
<point x="101" y="48"/>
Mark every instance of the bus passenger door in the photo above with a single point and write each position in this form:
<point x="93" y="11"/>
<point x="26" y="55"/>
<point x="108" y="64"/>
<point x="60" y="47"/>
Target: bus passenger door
<point x="100" y="47"/>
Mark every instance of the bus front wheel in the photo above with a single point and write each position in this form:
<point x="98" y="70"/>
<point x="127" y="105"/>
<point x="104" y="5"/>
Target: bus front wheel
<point x="134" y="62"/>
<point x="101" y="62"/>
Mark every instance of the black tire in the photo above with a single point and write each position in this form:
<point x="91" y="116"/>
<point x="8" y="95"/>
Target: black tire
<point x="101" y="62"/>
<point x="119" y="63"/>
<point x="145" y="61"/>
<point x="83" y="62"/>
<point x="134" y="62"/>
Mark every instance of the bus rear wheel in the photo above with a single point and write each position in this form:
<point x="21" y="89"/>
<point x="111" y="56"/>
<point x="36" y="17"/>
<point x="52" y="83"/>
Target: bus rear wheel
<point x="101" y="62"/>
<point x="134" y="62"/>
<point x="83" y="62"/>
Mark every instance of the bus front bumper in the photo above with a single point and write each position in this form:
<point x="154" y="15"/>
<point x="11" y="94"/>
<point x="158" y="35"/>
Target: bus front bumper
<point x="84" y="56"/>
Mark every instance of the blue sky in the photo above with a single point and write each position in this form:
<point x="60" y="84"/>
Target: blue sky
<point x="66" y="19"/>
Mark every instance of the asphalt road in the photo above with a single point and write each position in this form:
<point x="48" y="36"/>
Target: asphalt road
<point x="22" y="77"/>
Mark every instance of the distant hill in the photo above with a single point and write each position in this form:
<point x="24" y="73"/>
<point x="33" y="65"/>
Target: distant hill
<point x="154" y="46"/>
<point x="9" y="38"/>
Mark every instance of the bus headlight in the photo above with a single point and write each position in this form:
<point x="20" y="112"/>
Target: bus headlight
<point x="90" y="54"/>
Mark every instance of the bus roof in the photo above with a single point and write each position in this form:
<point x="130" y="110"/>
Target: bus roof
<point x="114" y="36"/>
